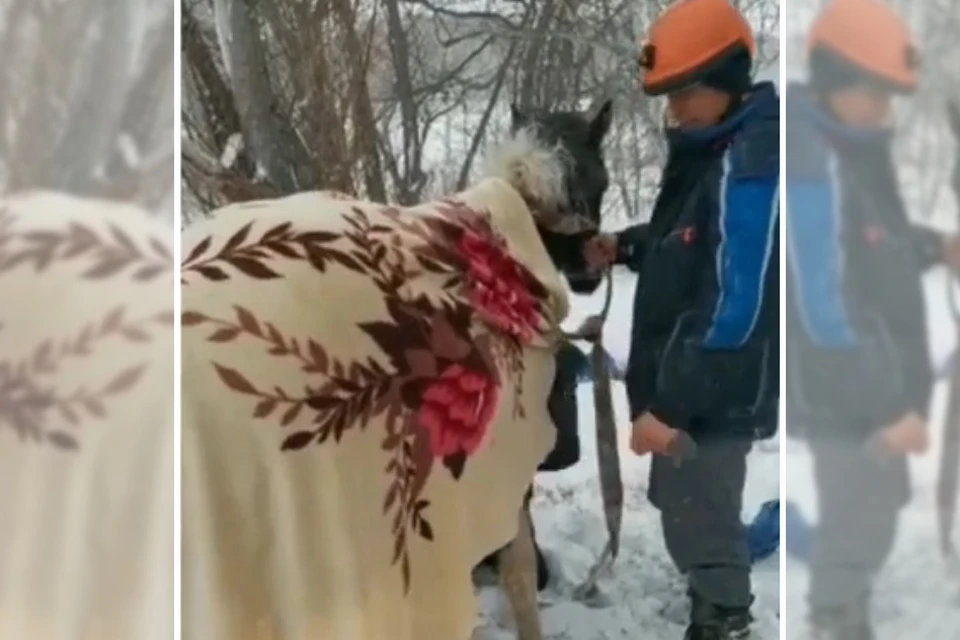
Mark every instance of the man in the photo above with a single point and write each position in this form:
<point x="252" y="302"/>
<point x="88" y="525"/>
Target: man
<point x="704" y="356"/>
<point x="859" y="378"/>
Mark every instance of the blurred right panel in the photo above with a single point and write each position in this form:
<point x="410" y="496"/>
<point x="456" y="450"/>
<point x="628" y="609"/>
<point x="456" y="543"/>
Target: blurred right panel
<point x="873" y="315"/>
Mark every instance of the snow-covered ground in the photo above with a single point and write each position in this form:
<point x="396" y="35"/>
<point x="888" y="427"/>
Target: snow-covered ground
<point x="915" y="594"/>
<point x="646" y="592"/>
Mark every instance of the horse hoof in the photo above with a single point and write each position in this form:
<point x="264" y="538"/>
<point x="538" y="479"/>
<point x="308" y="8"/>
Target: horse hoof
<point x="593" y="598"/>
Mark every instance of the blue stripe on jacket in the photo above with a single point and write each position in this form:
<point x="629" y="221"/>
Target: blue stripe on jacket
<point x="815" y="257"/>
<point x="749" y="217"/>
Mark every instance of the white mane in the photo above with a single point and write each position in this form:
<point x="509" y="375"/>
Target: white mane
<point x="531" y="167"/>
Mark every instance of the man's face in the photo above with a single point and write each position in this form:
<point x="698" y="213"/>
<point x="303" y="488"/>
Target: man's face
<point x="861" y="106"/>
<point x="697" y="107"/>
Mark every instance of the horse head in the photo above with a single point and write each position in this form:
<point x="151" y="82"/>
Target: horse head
<point x="555" y="161"/>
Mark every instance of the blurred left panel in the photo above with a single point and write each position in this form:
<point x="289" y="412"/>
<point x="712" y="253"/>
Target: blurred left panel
<point x="86" y="306"/>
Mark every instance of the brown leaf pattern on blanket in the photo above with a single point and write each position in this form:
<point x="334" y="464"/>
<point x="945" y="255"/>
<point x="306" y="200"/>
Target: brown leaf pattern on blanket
<point x="107" y="254"/>
<point x="438" y="383"/>
<point x="30" y="403"/>
<point x="39" y="412"/>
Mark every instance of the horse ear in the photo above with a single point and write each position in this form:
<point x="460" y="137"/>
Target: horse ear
<point x="518" y="118"/>
<point x="600" y="124"/>
<point x="953" y="117"/>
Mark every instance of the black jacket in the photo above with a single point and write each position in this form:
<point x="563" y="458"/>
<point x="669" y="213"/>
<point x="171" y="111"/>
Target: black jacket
<point x="857" y="352"/>
<point x="704" y="354"/>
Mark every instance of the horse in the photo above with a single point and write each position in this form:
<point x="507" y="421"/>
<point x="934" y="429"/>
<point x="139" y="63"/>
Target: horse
<point x="365" y="394"/>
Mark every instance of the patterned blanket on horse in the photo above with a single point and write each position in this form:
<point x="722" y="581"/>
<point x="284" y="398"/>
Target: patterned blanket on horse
<point x="86" y="420"/>
<point x="364" y="404"/>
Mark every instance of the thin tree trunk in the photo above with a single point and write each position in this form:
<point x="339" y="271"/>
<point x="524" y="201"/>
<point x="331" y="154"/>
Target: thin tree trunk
<point x="481" y="131"/>
<point x="412" y="178"/>
<point x="365" y="124"/>
<point x="279" y="154"/>
<point x="82" y="150"/>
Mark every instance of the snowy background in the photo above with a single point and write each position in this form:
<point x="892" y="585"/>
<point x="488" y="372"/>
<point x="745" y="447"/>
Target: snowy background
<point x="86" y="99"/>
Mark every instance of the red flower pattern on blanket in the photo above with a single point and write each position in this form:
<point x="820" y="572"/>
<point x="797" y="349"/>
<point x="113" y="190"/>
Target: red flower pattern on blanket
<point x="497" y="286"/>
<point x="457" y="407"/>
<point x="438" y="383"/>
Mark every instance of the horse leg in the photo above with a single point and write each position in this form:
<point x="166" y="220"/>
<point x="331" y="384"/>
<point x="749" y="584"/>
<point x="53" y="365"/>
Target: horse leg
<point x="518" y="572"/>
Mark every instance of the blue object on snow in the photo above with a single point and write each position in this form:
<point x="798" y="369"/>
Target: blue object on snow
<point x="799" y="533"/>
<point x="763" y="534"/>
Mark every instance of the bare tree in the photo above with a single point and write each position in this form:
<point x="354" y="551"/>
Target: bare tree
<point x="395" y="99"/>
<point x="86" y="98"/>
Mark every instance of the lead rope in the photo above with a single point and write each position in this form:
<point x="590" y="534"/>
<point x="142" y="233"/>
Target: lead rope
<point x="950" y="451"/>
<point x="608" y="453"/>
<point x="947" y="478"/>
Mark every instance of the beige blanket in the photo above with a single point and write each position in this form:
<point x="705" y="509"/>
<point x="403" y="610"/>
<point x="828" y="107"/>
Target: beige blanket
<point x="364" y="398"/>
<point x="86" y="421"/>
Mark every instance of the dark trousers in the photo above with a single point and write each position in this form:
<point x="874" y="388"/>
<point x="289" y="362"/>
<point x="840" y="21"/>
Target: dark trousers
<point x="700" y="505"/>
<point x="860" y="498"/>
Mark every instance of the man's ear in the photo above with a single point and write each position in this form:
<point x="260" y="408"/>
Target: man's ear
<point x="600" y="124"/>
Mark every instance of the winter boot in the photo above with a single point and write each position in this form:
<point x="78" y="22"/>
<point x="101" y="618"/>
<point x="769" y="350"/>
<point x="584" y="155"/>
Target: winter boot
<point x="713" y="622"/>
<point x="850" y="622"/>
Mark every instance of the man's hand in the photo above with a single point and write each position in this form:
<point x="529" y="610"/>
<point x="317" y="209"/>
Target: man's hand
<point x="906" y="435"/>
<point x="652" y="436"/>
<point x="950" y="248"/>
<point x="600" y="251"/>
